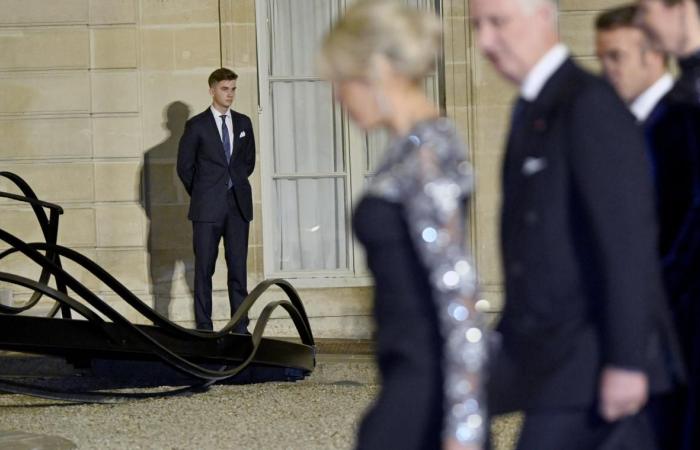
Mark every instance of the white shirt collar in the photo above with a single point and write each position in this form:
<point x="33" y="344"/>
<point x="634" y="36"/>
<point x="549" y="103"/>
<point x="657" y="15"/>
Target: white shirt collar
<point x="643" y="105"/>
<point x="217" y="114"/>
<point x="543" y="71"/>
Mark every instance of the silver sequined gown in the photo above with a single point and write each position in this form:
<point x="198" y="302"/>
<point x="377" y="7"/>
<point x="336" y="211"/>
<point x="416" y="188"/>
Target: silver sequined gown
<point x="430" y="338"/>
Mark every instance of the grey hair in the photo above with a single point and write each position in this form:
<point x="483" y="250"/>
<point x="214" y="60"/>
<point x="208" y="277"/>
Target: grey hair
<point x="530" y="5"/>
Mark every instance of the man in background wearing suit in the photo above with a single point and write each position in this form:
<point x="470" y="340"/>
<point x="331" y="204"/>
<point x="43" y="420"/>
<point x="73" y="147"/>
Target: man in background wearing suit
<point x="637" y="71"/>
<point x="584" y="326"/>
<point x="215" y="158"/>
<point x="674" y="26"/>
<point x="637" y="68"/>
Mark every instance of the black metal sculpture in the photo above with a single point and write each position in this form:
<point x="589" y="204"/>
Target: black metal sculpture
<point x="202" y="357"/>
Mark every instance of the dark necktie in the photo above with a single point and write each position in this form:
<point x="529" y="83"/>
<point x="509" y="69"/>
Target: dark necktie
<point x="227" y="144"/>
<point x="516" y="119"/>
<point x="225" y="138"/>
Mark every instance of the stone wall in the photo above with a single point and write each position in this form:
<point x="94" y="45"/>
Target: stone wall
<point x="93" y="98"/>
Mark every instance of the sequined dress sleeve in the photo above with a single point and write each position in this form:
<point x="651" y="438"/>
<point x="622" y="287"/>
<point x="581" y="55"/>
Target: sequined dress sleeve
<point x="426" y="173"/>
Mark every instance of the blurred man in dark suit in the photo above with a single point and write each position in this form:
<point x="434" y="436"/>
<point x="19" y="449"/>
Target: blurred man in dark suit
<point x="674" y="26"/>
<point x="215" y="159"/>
<point x="584" y="329"/>
<point x="637" y="70"/>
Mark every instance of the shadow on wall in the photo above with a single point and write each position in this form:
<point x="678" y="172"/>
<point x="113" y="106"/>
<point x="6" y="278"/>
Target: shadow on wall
<point x="171" y="259"/>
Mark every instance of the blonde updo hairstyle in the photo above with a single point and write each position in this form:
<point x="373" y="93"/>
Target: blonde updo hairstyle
<point x="407" y="38"/>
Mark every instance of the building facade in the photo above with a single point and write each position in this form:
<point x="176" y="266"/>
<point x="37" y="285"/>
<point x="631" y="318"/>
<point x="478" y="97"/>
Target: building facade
<point x="93" y="98"/>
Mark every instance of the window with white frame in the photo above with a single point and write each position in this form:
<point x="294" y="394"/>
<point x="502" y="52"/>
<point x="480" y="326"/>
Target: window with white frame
<point x="314" y="163"/>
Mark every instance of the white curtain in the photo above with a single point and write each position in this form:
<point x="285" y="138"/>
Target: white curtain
<point x="311" y="228"/>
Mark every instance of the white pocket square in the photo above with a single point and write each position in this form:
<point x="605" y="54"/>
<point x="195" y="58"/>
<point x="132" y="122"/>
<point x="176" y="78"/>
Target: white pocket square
<point x="533" y="165"/>
<point x="242" y="135"/>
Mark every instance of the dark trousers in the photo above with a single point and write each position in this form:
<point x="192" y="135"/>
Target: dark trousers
<point x="584" y="429"/>
<point x="233" y="228"/>
<point x="671" y="421"/>
<point x="676" y="415"/>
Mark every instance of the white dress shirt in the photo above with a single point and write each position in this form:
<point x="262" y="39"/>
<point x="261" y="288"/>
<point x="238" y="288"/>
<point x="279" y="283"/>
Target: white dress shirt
<point x="643" y="105"/>
<point x="543" y="71"/>
<point x="229" y="125"/>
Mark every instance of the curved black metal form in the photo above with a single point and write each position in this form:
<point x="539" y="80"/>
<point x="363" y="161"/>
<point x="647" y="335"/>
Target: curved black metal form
<point x="49" y="228"/>
<point x="206" y="357"/>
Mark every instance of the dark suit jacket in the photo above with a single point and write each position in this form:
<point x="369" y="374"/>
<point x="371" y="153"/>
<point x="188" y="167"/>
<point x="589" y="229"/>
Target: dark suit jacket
<point x="202" y="167"/>
<point x="583" y="284"/>
<point x="673" y="132"/>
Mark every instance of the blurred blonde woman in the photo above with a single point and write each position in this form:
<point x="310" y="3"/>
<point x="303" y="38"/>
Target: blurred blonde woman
<point x="411" y="221"/>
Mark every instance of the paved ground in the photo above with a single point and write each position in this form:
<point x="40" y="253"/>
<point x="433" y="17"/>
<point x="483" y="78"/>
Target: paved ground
<point x="321" y="412"/>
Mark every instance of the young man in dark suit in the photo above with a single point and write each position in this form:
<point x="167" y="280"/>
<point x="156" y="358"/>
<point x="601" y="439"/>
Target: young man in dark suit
<point x="585" y="331"/>
<point x="215" y="158"/>
<point x="674" y="138"/>
<point x="636" y="69"/>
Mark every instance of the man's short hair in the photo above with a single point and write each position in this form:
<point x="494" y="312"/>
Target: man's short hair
<point x="620" y="17"/>
<point x="221" y="75"/>
<point x="677" y="2"/>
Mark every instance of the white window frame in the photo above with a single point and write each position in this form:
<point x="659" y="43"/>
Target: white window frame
<point x="354" y="163"/>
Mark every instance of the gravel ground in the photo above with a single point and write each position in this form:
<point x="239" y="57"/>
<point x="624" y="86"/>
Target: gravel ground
<point x="305" y="415"/>
<point x="265" y="416"/>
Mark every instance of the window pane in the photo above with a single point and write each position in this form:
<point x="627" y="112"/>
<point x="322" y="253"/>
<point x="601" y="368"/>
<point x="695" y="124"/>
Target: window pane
<point x="297" y="29"/>
<point x="431" y="88"/>
<point x="415" y="3"/>
<point x="310" y="225"/>
<point x="419" y="4"/>
<point x="304" y="137"/>
<point x="308" y="196"/>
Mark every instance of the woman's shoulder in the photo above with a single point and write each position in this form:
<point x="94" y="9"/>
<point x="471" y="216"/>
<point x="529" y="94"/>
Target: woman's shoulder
<point x="441" y="136"/>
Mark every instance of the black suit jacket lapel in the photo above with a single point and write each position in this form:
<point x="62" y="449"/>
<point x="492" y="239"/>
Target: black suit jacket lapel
<point x="236" y="135"/>
<point x="213" y="131"/>
<point x="527" y="141"/>
<point x="514" y="147"/>
<point x="555" y="90"/>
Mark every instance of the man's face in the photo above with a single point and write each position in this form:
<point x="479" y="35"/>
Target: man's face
<point x="509" y="35"/>
<point x="624" y="56"/>
<point x="663" y="24"/>
<point x="223" y="93"/>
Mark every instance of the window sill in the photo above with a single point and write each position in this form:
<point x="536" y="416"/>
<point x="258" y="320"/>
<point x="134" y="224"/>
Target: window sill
<point x="324" y="282"/>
